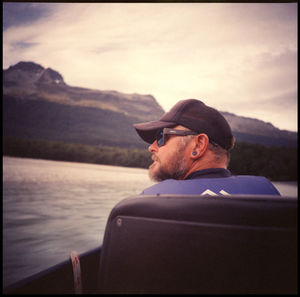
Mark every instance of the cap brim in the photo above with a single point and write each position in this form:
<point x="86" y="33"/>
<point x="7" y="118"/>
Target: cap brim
<point x="147" y="131"/>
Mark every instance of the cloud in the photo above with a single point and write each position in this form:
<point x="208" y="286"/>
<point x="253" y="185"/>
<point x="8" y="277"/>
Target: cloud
<point x="231" y="55"/>
<point x="17" y="14"/>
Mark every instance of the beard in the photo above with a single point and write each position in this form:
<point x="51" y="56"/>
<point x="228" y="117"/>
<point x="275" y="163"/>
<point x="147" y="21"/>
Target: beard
<point x="174" y="169"/>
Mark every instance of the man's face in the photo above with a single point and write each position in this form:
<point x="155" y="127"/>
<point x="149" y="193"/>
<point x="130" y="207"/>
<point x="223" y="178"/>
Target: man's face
<point x="169" y="159"/>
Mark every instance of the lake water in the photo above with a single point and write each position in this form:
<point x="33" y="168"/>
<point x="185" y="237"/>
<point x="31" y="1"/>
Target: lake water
<point x="52" y="207"/>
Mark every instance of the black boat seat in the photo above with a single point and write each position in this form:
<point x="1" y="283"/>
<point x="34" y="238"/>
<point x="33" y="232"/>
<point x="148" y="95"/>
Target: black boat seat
<point x="204" y="245"/>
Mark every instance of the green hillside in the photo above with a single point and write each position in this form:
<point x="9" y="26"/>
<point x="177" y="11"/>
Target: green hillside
<point x="41" y="119"/>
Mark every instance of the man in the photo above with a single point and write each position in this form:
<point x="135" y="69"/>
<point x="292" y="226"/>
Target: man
<point x="190" y="147"/>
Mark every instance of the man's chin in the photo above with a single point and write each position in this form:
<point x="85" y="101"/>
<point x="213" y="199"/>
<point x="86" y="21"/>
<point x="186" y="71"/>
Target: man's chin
<point x="153" y="172"/>
<point x="156" y="174"/>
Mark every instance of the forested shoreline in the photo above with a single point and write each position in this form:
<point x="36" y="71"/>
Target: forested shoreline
<point x="275" y="163"/>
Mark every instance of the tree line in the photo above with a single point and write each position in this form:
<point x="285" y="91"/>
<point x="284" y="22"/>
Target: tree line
<point x="275" y="163"/>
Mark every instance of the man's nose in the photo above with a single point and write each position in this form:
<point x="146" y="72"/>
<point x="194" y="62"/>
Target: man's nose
<point x="153" y="147"/>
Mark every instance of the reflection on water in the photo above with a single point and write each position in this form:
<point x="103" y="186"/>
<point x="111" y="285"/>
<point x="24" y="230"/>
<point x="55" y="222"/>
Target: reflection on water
<point x="50" y="208"/>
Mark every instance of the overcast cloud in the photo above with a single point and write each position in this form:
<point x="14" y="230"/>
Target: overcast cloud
<point x="240" y="58"/>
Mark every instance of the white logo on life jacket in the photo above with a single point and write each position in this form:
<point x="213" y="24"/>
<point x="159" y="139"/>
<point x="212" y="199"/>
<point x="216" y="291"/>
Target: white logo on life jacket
<point x="211" y="193"/>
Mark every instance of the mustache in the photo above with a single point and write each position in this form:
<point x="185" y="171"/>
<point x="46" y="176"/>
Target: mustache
<point x="154" y="158"/>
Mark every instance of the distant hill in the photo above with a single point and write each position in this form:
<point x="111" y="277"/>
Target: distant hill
<point x="257" y="131"/>
<point x="37" y="103"/>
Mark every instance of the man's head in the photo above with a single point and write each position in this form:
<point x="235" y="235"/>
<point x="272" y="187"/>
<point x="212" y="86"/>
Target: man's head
<point x="206" y="143"/>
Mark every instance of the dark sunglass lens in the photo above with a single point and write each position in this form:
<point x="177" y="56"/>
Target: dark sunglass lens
<point x="160" y="138"/>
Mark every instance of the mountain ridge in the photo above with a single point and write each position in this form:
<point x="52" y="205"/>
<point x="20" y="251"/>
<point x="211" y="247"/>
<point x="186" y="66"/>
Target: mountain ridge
<point x="50" y="84"/>
<point x="27" y="82"/>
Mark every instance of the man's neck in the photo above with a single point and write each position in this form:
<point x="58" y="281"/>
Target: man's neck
<point x="204" y="163"/>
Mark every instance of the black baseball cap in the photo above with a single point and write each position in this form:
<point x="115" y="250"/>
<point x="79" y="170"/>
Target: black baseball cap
<point x="192" y="114"/>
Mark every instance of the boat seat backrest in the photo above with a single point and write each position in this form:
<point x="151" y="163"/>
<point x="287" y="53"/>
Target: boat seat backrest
<point x="204" y="245"/>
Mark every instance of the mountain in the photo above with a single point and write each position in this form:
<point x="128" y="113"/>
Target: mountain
<point x="257" y="131"/>
<point x="37" y="103"/>
<point x="32" y="81"/>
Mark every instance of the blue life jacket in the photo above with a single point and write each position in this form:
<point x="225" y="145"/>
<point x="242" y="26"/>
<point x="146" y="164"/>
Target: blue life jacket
<point x="222" y="186"/>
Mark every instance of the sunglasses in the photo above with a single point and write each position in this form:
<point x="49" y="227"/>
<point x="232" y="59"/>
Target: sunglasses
<point x="161" y="135"/>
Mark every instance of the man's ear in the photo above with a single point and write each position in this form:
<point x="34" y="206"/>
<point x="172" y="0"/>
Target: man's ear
<point x="200" y="145"/>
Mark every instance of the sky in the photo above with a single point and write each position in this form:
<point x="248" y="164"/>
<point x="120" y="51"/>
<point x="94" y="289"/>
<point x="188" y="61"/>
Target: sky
<point x="236" y="57"/>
